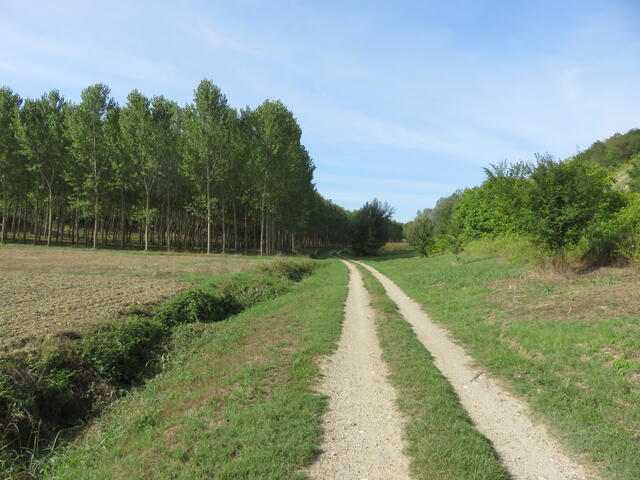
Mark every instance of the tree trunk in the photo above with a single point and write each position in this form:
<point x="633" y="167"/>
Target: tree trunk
<point x="246" y="234"/>
<point x="95" y="217"/>
<point x="122" y="221"/>
<point x="235" y="229"/>
<point x="4" y="214"/>
<point x="146" y="221"/>
<point x="49" y="217"/>
<point x="168" y="227"/>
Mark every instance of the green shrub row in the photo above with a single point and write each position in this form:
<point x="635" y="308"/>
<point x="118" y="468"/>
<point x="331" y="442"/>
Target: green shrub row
<point x="71" y="377"/>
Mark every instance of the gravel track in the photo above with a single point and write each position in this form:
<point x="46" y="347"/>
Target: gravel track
<point x="526" y="449"/>
<point x="363" y="428"/>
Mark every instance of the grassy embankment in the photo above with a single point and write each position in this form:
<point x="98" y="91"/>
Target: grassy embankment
<point x="570" y="346"/>
<point x="236" y="400"/>
<point x="49" y="390"/>
<point x="441" y="441"/>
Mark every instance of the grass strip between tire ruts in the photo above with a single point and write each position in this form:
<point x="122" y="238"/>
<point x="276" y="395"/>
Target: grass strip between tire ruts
<point x="441" y="441"/>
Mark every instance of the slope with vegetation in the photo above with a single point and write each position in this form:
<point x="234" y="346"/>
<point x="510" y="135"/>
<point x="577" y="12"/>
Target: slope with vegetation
<point x="570" y="211"/>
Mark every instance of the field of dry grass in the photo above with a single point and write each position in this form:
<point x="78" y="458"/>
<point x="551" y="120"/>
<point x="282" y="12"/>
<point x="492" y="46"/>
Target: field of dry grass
<point x="50" y="291"/>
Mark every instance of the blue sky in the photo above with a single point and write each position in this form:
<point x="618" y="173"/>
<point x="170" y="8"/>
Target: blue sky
<point x="402" y="100"/>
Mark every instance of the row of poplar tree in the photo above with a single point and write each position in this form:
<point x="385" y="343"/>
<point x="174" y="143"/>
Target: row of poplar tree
<point x="154" y="174"/>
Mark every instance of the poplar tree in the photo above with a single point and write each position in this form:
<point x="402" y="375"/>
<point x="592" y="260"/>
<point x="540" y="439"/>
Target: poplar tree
<point x="207" y="134"/>
<point x="9" y="148"/>
<point x="42" y="135"/>
<point x="87" y="131"/>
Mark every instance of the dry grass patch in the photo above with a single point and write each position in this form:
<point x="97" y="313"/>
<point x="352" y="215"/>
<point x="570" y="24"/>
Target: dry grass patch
<point x="589" y="297"/>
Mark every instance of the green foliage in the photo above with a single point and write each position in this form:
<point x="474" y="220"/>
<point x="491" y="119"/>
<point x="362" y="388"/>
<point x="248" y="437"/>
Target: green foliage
<point x="152" y="173"/>
<point x="498" y="206"/>
<point x="565" y="197"/>
<point x="245" y="290"/>
<point x="294" y="270"/>
<point x="615" y="237"/>
<point x="396" y="231"/>
<point x="614" y="151"/>
<point x="634" y="174"/>
<point x="370" y="227"/>
<point x="420" y="234"/>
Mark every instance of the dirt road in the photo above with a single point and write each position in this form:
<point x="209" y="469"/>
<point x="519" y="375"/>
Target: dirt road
<point x="363" y="429"/>
<point x="525" y="448"/>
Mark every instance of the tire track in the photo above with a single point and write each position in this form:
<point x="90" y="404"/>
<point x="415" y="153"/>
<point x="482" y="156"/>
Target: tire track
<point x="526" y="449"/>
<point x="363" y="428"/>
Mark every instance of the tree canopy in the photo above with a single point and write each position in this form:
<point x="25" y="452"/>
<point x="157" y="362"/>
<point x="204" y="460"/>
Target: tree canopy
<point x="153" y="174"/>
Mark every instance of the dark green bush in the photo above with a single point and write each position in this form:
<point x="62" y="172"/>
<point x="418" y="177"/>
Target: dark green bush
<point x="119" y="351"/>
<point x="370" y="227"/>
<point x="196" y="305"/>
<point x="615" y="238"/>
<point x="245" y="289"/>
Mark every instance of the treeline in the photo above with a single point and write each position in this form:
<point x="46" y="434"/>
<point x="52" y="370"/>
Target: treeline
<point x="153" y="174"/>
<point x="572" y="207"/>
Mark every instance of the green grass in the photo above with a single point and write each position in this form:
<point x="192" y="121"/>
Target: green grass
<point x="441" y="441"/>
<point x="574" y="361"/>
<point x="236" y="401"/>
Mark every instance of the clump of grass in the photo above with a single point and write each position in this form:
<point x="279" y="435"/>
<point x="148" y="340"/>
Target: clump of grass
<point x="294" y="270"/>
<point x="441" y="441"/>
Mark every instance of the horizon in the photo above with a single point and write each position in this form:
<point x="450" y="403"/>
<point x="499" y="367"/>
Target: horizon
<point x="454" y="89"/>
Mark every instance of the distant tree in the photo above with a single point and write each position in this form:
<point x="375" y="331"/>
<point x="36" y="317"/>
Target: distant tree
<point x="44" y="143"/>
<point x="9" y="148"/>
<point x="370" y="227"/>
<point x="420" y="234"/>
<point x="442" y="214"/>
<point x="396" y="231"/>
<point x="207" y="141"/>
<point x="89" y="143"/>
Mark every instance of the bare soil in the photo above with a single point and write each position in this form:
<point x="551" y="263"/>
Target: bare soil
<point x="50" y="291"/>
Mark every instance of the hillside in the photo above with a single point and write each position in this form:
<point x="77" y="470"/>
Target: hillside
<point x="620" y="154"/>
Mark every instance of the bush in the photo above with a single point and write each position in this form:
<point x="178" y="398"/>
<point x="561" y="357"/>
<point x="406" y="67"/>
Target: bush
<point x="247" y="289"/>
<point x="565" y="198"/>
<point x="294" y="270"/>
<point x="615" y="238"/>
<point x="420" y="234"/>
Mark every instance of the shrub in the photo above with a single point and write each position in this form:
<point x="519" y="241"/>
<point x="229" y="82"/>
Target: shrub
<point x="565" y="198"/>
<point x="615" y="238"/>
<point x="420" y="234"/>
<point x="247" y="289"/>
<point x="294" y="270"/>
